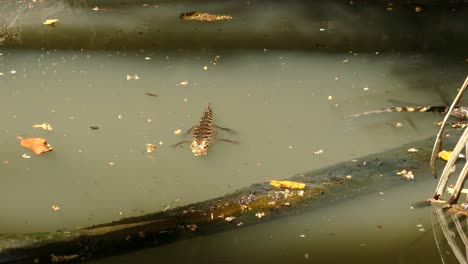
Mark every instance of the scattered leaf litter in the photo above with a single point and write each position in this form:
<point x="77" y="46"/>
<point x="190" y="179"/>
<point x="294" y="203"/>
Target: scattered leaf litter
<point x="50" y="22"/>
<point x="207" y="17"/>
<point x="406" y="174"/>
<point x="44" y="126"/>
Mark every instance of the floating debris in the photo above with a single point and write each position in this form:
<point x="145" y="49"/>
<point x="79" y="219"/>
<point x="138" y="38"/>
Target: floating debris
<point x="412" y="150"/>
<point x="398" y="124"/>
<point x="94" y="127"/>
<point x="44" y="126"/>
<point x="64" y="258"/>
<point x="330" y="97"/>
<point x="132" y="77"/>
<point x="199" y="16"/>
<point x="178" y="132"/>
<point x="349" y="177"/>
<point x="406" y="174"/>
<point x="229" y="218"/>
<point x="287" y="184"/>
<point x="150" y="94"/>
<point x="184" y="83"/>
<point x="50" y="22"/>
<point x="26" y="156"/>
<point x="259" y="215"/>
<point x="37" y="145"/>
<point x="318" y="152"/>
<point x="150" y="148"/>
<point x="205" y="68"/>
<point x="445" y="155"/>
<point x="55" y="208"/>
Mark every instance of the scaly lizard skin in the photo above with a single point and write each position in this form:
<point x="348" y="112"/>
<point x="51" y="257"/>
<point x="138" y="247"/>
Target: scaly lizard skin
<point x="460" y="112"/>
<point x="203" y="133"/>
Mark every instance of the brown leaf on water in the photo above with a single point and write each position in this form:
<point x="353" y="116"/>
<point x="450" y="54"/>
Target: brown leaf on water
<point x="37" y="145"/>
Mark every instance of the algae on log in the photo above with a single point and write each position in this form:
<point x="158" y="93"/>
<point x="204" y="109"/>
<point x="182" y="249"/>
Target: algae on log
<point x="251" y="205"/>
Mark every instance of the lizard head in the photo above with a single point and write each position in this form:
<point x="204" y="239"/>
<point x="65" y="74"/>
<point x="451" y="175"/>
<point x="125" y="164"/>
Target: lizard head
<point x="199" y="147"/>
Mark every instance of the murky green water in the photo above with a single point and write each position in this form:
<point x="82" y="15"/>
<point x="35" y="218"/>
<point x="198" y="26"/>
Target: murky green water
<point x="277" y="100"/>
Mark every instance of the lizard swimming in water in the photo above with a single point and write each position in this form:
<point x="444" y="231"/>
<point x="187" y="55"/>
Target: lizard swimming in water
<point x="460" y="112"/>
<point x="203" y="134"/>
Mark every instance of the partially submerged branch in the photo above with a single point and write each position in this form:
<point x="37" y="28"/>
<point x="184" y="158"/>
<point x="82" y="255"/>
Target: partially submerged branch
<point x="252" y="205"/>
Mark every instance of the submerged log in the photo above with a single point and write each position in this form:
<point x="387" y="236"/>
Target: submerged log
<point x="252" y="205"/>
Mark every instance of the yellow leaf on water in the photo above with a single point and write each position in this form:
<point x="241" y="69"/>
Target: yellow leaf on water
<point x="50" y="21"/>
<point x="445" y="155"/>
<point x="287" y="184"/>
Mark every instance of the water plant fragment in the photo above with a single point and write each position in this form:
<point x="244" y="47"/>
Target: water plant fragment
<point x="37" y="145"/>
<point x="287" y="184"/>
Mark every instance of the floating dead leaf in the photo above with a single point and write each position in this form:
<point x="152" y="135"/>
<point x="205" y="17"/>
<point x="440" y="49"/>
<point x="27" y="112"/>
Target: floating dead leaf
<point x="5" y="162"/>
<point x="37" y="145"/>
<point x="177" y="132"/>
<point x="412" y="150"/>
<point x="287" y="184"/>
<point x="44" y="126"/>
<point x="50" y="22"/>
<point x="406" y="174"/>
<point x="445" y="155"/>
<point x="150" y="147"/>
<point x="199" y="16"/>
<point x="55" y="208"/>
